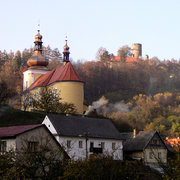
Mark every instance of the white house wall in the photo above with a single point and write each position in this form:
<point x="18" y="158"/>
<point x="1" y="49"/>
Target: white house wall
<point x="49" y="125"/>
<point x="77" y="153"/>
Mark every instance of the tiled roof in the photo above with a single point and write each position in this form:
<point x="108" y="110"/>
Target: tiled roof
<point x="12" y="131"/>
<point x="127" y="59"/>
<point x="139" y="142"/>
<point x="78" y="126"/>
<point x="59" y="74"/>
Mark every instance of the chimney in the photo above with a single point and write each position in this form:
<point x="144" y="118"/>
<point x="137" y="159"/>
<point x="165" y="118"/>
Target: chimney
<point x="134" y="133"/>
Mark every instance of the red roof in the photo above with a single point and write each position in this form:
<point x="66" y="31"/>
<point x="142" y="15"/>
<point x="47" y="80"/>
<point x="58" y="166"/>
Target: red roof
<point x="127" y="59"/>
<point x="61" y="73"/>
<point x="13" y="131"/>
<point x="174" y="142"/>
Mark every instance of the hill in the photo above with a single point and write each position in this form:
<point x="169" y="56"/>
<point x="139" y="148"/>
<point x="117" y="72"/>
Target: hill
<point x="11" y="117"/>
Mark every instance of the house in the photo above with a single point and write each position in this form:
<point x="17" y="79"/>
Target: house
<point x="146" y="146"/>
<point x="28" y="137"/>
<point x="82" y="137"/>
<point x="63" y="79"/>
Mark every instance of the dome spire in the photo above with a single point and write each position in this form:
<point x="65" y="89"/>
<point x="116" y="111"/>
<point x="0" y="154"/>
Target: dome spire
<point x="37" y="58"/>
<point x="38" y="41"/>
<point x="66" y="52"/>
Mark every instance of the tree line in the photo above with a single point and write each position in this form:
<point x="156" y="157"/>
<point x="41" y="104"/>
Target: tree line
<point x="139" y="84"/>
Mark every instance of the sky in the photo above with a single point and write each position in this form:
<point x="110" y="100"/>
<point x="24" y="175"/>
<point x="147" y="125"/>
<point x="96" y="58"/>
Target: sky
<point x="91" y="24"/>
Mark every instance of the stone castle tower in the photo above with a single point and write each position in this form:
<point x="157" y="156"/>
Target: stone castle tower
<point x="137" y="50"/>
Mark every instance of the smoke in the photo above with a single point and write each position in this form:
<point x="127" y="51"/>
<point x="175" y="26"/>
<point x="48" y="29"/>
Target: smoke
<point x="97" y="105"/>
<point x="102" y="106"/>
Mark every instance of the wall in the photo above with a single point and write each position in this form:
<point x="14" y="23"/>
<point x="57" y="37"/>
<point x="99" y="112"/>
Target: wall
<point x="31" y="75"/>
<point x="155" y="152"/>
<point x="71" y="92"/>
<point x="77" y="153"/>
<point x="41" y="136"/>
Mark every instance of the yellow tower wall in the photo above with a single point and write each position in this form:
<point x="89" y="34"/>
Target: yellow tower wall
<point x="30" y="76"/>
<point x="71" y="92"/>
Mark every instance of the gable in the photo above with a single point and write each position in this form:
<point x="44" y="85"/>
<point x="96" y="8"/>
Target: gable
<point x="49" y="125"/>
<point x="156" y="142"/>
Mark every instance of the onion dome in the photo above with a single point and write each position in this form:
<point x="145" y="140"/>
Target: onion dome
<point x="37" y="59"/>
<point x="66" y="53"/>
<point x="38" y="36"/>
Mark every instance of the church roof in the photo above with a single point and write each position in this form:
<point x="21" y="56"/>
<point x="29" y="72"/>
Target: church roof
<point x="59" y="74"/>
<point x="79" y="126"/>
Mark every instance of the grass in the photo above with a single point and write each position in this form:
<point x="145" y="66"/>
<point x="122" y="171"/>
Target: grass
<point x="12" y="117"/>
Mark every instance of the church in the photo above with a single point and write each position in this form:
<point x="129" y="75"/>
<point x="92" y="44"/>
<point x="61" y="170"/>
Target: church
<point x="63" y="79"/>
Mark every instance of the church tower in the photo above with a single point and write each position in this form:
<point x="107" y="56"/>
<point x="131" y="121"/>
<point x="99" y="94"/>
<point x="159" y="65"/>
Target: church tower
<point x="37" y="64"/>
<point x="66" y="53"/>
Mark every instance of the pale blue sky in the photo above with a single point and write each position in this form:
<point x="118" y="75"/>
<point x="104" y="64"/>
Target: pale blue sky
<point x="90" y="24"/>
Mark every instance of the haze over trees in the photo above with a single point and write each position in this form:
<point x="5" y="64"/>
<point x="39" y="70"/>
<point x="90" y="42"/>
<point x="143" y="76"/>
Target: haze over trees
<point x="141" y="85"/>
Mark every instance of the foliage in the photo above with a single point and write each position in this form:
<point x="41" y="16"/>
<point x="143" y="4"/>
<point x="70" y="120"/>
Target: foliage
<point x="44" y="163"/>
<point x="16" y="63"/>
<point x="5" y="92"/>
<point x="123" y="52"/>
<point x="172" y="168"/>
<point x="46" y="100"/>
<point x="106" y="168"/>
<point x="155" y="112"/>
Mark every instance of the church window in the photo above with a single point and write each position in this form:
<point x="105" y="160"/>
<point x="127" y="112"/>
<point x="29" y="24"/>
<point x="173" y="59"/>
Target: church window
<point x="26" y="84"/>
<point x="55" y="92"/>
<point x="34" y="96"/>
<point x="40" y="94"/>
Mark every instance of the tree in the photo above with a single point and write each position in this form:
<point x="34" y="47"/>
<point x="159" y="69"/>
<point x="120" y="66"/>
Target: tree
<point x="5" y="92"/>
<point x="102" y="54"/>
<point x="172" y="168"/>
<point x="124" y="51"/>
<point x="48" y="101"/>
<point x="100" y="167"/>
<point x="43" y="162"/>
<point x="16" y="63"/>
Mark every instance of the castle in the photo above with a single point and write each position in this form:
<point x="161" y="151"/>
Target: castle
<point x="63" y="79"/>
<point x="136" y="54"/>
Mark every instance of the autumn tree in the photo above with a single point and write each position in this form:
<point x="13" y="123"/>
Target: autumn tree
<point x="102" y="54"/>
<point x="5" y="92"/>
<point x="124" y="51"/>
<point x="48" y="101"/>
<point x="16" y="63"/>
